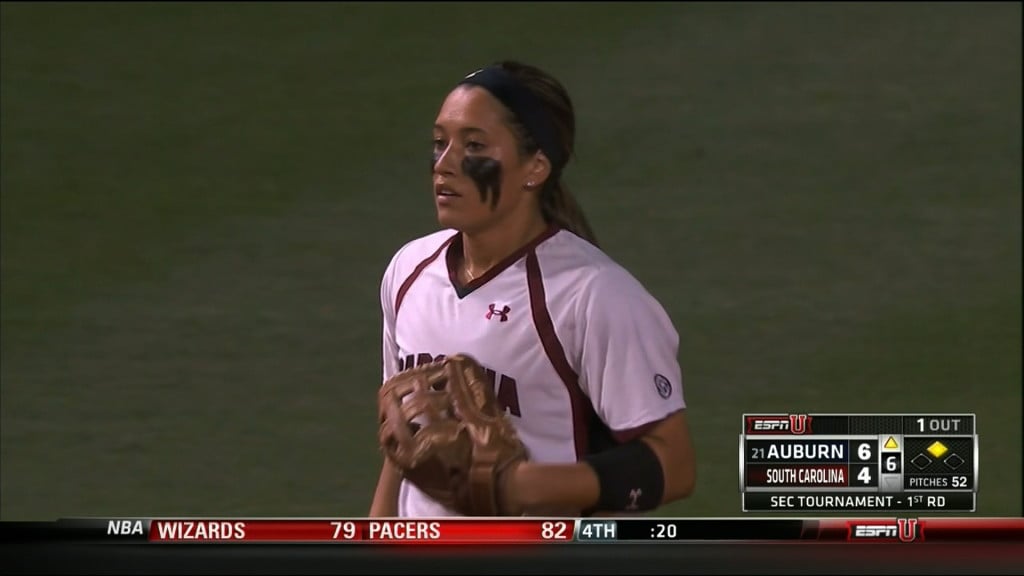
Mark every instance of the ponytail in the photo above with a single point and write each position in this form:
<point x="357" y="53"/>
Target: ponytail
<point x="560" y="207"/>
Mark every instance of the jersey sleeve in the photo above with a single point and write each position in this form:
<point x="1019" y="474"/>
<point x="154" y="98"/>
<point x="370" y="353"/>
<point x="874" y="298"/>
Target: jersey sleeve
<point x="629" y="365"/>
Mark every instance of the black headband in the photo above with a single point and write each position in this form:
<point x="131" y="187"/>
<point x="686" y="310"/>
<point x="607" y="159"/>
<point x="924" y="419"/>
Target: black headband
<point x="525" y="106"/>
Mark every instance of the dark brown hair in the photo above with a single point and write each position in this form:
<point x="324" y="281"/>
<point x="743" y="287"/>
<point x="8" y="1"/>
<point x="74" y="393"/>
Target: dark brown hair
<point x="557" y="204"/>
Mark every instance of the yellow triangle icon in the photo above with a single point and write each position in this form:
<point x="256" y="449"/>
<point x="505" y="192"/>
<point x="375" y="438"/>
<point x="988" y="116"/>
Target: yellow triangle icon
<point x="891" y="444"/>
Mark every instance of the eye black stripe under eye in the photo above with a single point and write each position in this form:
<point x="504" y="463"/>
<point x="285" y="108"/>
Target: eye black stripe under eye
<point x="486" y="173"/>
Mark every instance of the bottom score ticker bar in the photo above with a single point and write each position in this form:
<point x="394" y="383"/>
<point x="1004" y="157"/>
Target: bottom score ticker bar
<point x="460" y="531"/>
<point x="485" y="531"/>
<point x="340" y="531"/>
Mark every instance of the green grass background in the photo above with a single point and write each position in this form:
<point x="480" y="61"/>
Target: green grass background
<point x="198" y="201"/>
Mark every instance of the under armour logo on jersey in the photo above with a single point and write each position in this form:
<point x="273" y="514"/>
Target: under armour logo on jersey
<point x="492" y="312"/>
<point x="634" y="495"/>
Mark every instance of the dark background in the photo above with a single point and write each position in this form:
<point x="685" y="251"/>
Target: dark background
<point x="198" y="202"/>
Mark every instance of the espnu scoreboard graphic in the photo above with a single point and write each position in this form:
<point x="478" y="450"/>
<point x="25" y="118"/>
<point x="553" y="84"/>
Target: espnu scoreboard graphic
<point x="859" y="462"/>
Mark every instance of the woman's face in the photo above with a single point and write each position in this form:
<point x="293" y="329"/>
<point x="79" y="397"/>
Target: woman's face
<point x="479" y="175"/>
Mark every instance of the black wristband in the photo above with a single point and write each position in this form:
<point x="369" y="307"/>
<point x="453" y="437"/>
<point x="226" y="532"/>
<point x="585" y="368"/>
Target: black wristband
<point x="631" y="477"/>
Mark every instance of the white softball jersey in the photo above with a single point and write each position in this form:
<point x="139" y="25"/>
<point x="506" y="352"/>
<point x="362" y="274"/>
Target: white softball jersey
<point x="582" y="356"/>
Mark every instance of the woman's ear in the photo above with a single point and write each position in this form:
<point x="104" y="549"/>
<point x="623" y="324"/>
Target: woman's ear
<point x="538" y="171"/>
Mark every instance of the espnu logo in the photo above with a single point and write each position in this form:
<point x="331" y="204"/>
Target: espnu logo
<point x="903" y="529"/>
<point x="796" y="424"/>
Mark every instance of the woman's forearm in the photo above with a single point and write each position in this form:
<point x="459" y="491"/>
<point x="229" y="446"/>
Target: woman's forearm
<point x="385" y="497"/>
<point x="551" y="489"/>
<point x="660" y="466"/>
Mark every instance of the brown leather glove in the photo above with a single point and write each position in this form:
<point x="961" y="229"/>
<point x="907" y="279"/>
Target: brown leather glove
<point x="442" y="426"/>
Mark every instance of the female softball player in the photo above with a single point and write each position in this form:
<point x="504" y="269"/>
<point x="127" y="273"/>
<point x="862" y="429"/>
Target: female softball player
<point x="583" y="358"/>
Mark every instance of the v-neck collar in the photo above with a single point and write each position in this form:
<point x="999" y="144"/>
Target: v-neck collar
<point x="453" y="257"/>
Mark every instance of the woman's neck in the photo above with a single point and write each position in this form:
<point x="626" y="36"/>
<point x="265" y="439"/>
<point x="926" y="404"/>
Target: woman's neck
<point x="482" y="250"/>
